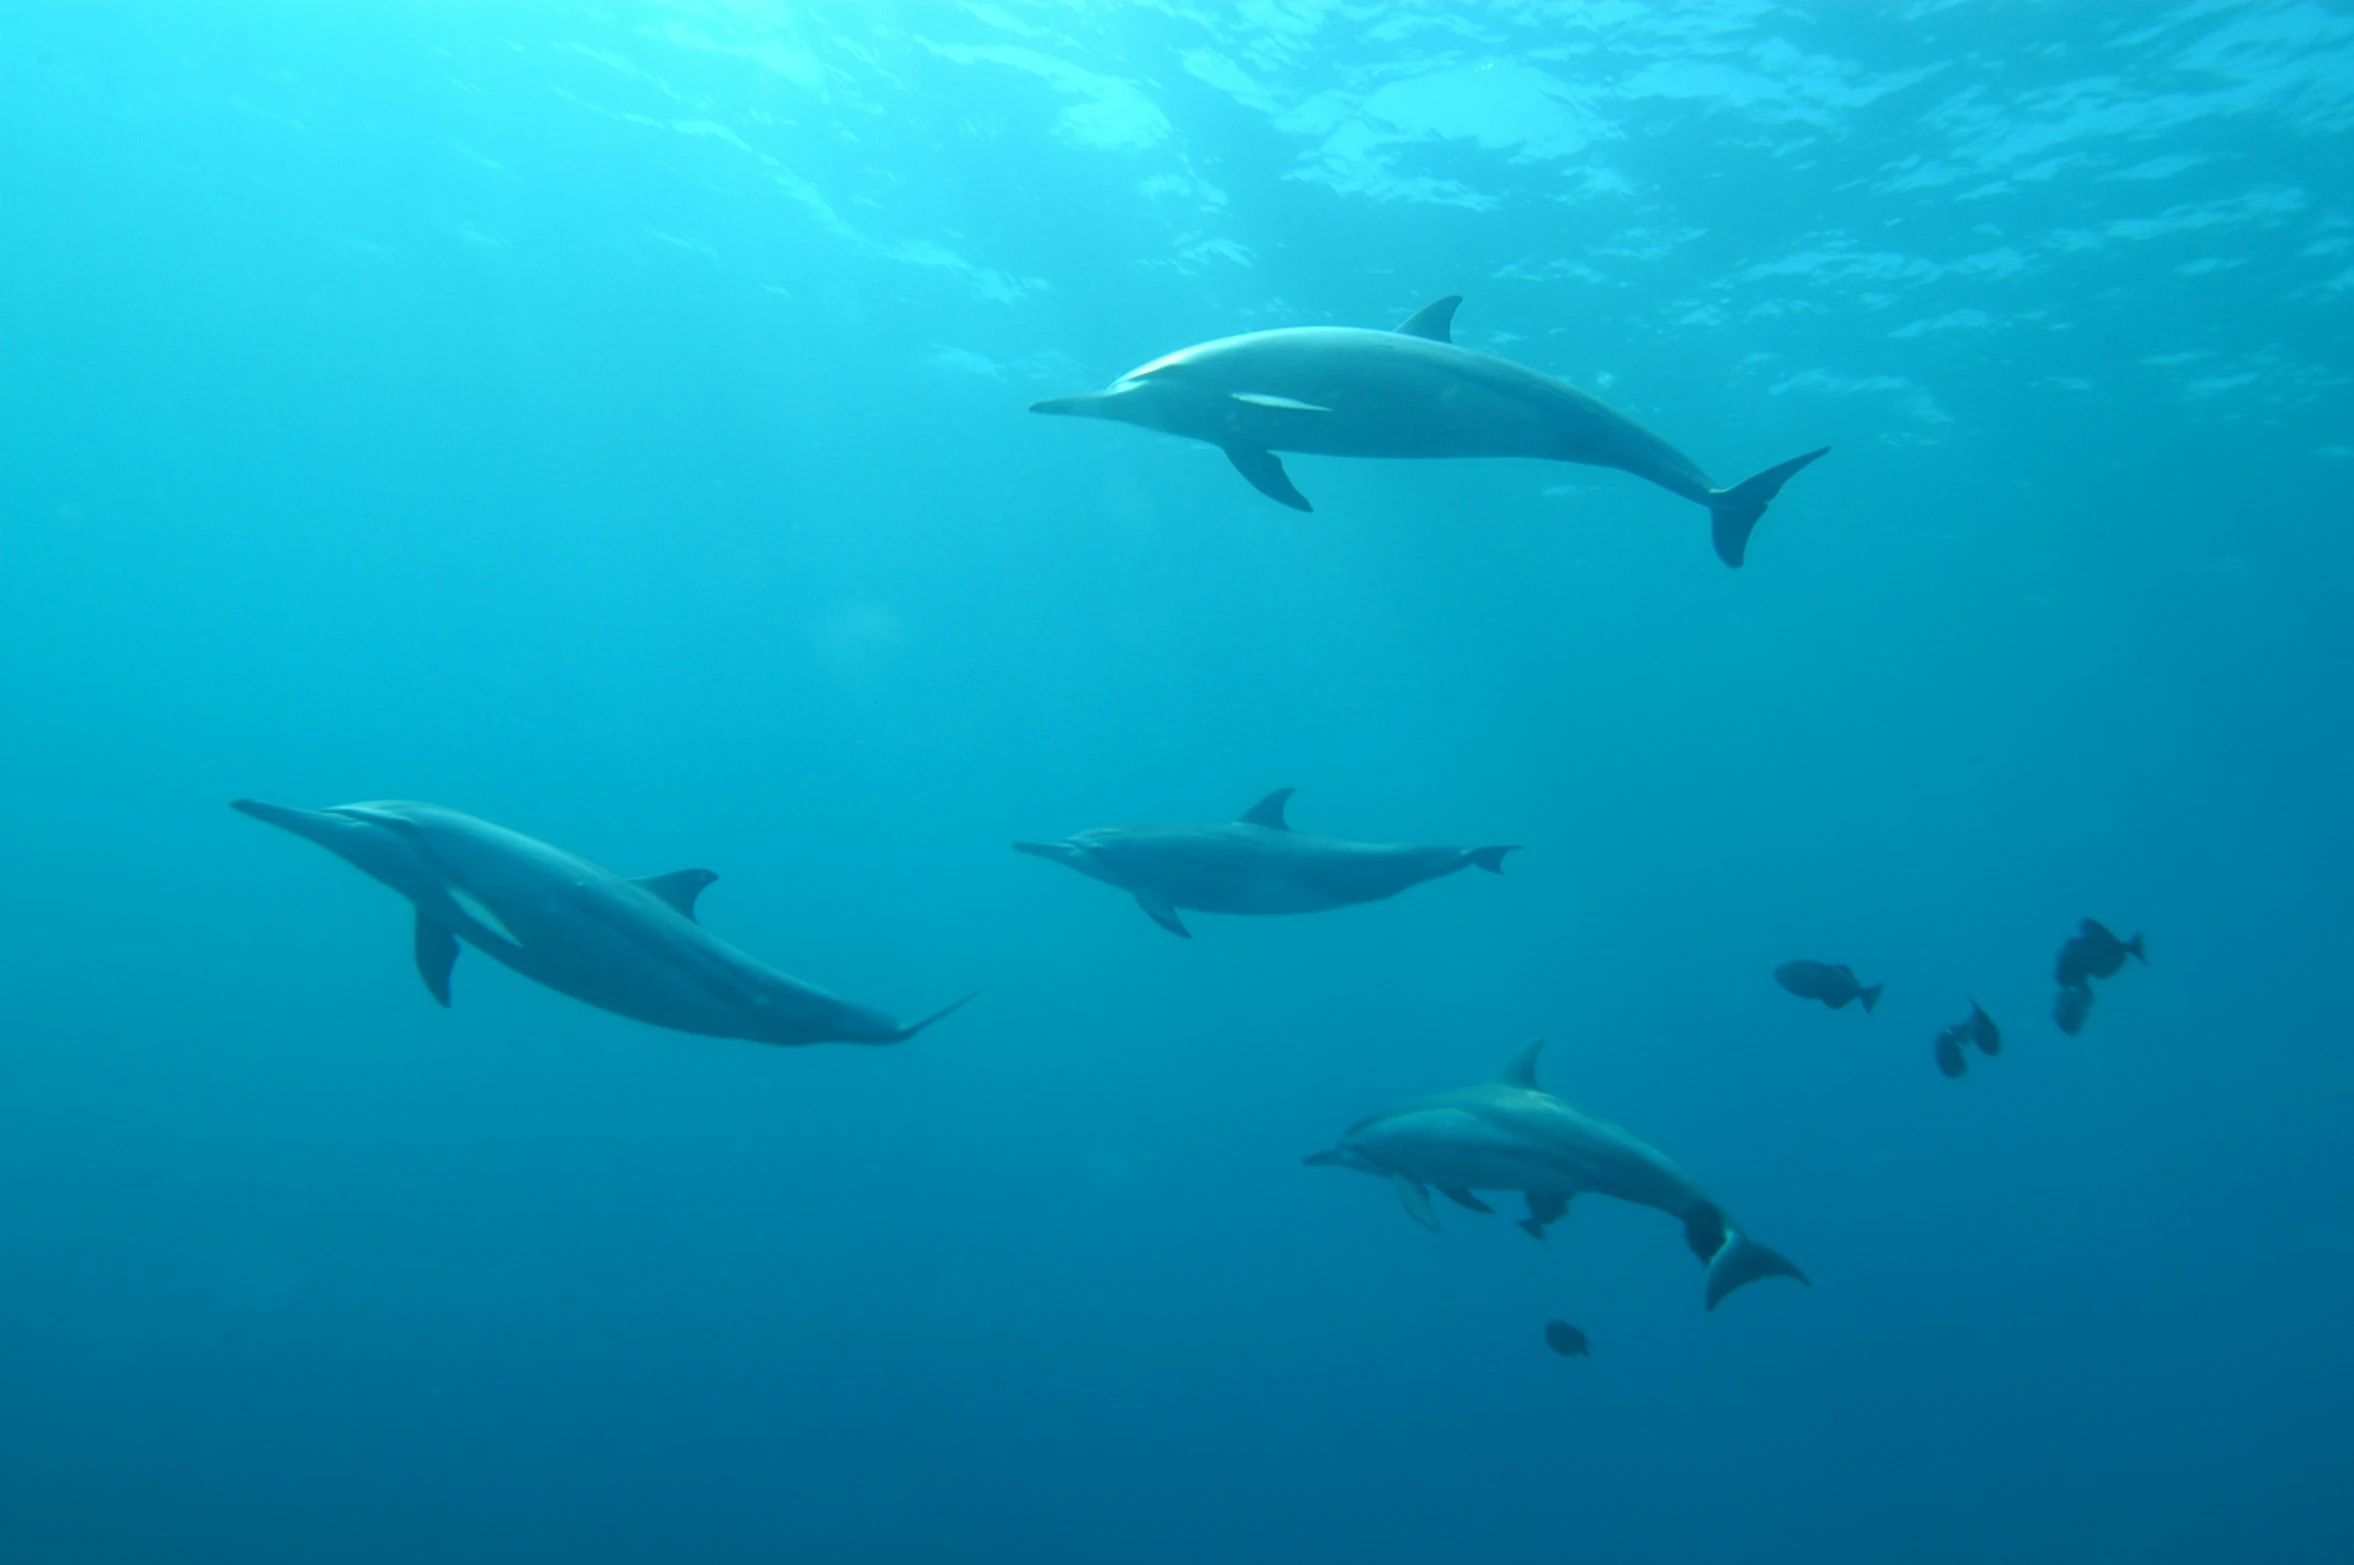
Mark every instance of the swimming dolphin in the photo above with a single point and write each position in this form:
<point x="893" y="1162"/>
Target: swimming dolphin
<point x="628" y="946"/>
<point x="1350" y="391"/>
<point x="1254" y="865"/>
<point x="1510" y="1134"/>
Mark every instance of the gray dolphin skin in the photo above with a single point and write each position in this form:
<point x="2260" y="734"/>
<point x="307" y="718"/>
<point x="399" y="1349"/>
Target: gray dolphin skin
<point x="627" y="946"/>
<point x="1351" y="391"/>
<point x="1257" y="864"/>
<point x="1511" y="1134"/>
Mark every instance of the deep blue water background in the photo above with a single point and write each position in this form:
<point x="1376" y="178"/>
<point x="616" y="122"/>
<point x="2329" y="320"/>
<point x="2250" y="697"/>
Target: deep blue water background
<point x="610" y="421"/>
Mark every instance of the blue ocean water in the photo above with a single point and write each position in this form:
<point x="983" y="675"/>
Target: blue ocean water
<point x="611" y="421"/>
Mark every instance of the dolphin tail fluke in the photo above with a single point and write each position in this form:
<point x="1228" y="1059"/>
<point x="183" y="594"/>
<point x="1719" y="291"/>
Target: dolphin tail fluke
<point x="1870" y="995"/>
<point x="1491" y="859"/>
<point x="1743" y="1260"/>
<point x="912" y="1028"/>
<point x="2139" y="953"/>
<point x="1733" y="512"/>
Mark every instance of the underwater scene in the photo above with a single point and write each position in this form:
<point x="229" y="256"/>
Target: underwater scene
<point x="1176" y="781"/>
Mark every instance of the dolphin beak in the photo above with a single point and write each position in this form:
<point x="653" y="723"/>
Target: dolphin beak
<point x="1329" y="1157"/>
<point x="1060" y="852"/>
<point x="1086" y="405"/>
<point x="303" y="823"/>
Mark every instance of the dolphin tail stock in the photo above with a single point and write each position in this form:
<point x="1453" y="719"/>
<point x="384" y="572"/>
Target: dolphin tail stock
<point x="912" y="1028"/>
<point x="1743" y="1260"/>
<point x="1870" y="995"/>
<point x="1733" y="512"/>
<point x="1490" y="859"/>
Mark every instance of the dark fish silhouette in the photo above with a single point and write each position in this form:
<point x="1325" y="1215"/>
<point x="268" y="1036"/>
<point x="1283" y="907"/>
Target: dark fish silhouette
<point x="1950" y="1058"/>
<point x="1976" y="1028"/>
<point x="2095" y="953"/>
<point x="1565" y="1339"/>
<point x="2071" y="1008"/>
<point x="1832" y="983"/>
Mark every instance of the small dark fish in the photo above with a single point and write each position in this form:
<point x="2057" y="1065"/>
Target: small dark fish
<point x="1830" y="982"/>
<point x="1566" y="1340"/>
<point x="2093" y="952"/>
<point x="2071" y="1008"/>
<point x="1950" y="1058"/>
<point x="1983" y="1031"/>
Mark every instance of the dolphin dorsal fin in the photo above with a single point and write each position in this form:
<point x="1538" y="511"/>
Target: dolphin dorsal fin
<point x="1433" y="320"/>
<point x="1268" y="812"/>
<point x="679" y="888"/>
<point x="1521" y="1069"/>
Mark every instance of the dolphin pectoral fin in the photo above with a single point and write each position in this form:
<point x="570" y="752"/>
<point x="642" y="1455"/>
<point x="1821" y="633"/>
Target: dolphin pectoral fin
<point x="679" y="888"/>
<point x="1163" y="912"/>
<point x="1733" y="512"/>
<point x="1416" y="1195"/>
<point x="1543" y="1210"/>
<point x="1434" y="320"/>
<point x="437" y="953"/>
<point x="1744" y="1260"/>
<point x="1264" y="470"/>
<point x="1464" y="1198"/>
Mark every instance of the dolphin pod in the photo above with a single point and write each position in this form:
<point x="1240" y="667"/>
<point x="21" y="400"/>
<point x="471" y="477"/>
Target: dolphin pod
<point x="1508" y="1133"/>
<point x="1412" y="392"/>
<point x="1257" y="864"/>
<point x="632" y="947"/>
<point x="635" y="947"/>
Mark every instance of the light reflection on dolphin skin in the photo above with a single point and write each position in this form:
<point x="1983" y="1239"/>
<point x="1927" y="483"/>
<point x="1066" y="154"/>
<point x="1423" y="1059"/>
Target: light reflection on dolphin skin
<point x="1510" y="1134"/>
<point x="1257" y="864"/>
<point x="631" y="947"/>
<point x="1352" y="391"/>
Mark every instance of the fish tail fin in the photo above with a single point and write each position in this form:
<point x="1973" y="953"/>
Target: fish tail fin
<point x="912" y="1028"/>
<point x="1492" y="859"/>
<point x="1744" y="1260"/>
<point x="1733" y="512"/>
<point x="1870" y="995"/>
<point x="2134" y="945"/>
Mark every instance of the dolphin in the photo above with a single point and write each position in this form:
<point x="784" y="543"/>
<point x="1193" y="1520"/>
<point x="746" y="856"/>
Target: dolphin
<point x="1511" y="1134"/>
<point x="1254" y="865"/>
<point x="1351" y="391"/>
<point x="632" y="947"/>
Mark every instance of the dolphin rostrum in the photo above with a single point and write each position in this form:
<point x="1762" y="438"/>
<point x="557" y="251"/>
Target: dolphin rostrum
<point x="1351" y="391"/>
<point x="628" y="946"/>
<point x="1254" y="865"/>
<point x="1510" y="1134"/>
